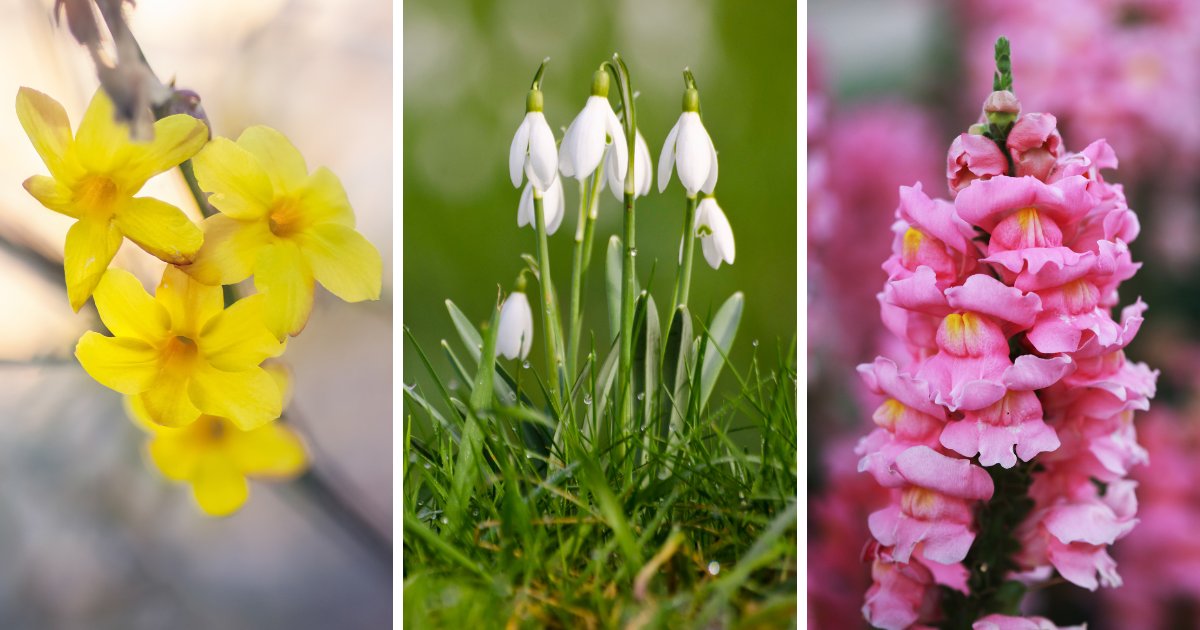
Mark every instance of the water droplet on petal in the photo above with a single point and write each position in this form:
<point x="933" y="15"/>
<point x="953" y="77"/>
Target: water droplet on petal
<point x="714" y="567"/>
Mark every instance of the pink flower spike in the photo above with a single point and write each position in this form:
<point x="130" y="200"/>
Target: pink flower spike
<point x="1035" y="145"/>
<point x="922" y="466"/>
<point x="973" y="157"/>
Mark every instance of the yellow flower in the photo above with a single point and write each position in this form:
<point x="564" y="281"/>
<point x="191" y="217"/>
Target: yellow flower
<point x="93" y="178"/>
<point x="180" y="354"/>
<point x="215" y="456"/>
<point x="281" y="224"/>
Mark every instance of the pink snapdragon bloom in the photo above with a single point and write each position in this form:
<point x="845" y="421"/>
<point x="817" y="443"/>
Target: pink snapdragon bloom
<point x="1003" y="299"/>
<point x="905" y="594"/>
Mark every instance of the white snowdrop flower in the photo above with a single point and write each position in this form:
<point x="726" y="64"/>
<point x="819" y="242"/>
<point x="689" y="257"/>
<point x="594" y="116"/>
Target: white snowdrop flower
<point x="597" y="125"/>
<point x="553" y="204"/>
<point x="642" y="169"/>
<point x="714" y="232"/>
<point x="514" y="334"/>
<point x="689" y="150"/>
<point x="534" y="152"/>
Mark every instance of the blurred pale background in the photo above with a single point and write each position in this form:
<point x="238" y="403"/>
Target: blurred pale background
<point x="467" y="68"/>
<point x="89" y="535"/>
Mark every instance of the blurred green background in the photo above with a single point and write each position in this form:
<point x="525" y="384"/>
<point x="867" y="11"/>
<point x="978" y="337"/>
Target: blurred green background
<point x="467" y="67"/>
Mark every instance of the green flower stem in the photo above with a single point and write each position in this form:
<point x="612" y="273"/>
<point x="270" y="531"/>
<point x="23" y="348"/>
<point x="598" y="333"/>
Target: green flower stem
<point x="588" y="198"/>
<point x="684" y="277"/>
<point x="625" y="365"/>
<point x="554" y="351"/>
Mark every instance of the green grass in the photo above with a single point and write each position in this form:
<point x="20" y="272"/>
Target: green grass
<point x="516" y="516"/>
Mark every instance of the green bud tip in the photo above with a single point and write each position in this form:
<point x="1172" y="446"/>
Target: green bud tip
<point x="519" y="287"/>
<point x="691" y="100"/>
<point x="600" y="83"/>
<point x="534" y="101"/>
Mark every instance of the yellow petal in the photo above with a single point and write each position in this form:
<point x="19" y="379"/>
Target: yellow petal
<point x="128" y="310"/>
<point x="229" y="250"/>
<point x="124" y="364"/>
<point x="45" y="122"/>
<point x="285" y="165"/>
<point x="286" y="281"/>
<point x="91" y="245"/>
<point x="272" y="451"/>
<point x="159" y="228"/>
<point x="343" y="261"/>
<point x="239" y="185"/>
<point x="176" y="138"/>
<point x="102" y="144"/>
<point x="189" y="303"/>
<point x="324" y="200"/>
<point x="250" y="398"/>
<point x="52" y="194"/>
<point x="283" y="378"/>
<point x="237" y="338"/>
<point x="167" y="401"/>
<point x="219" y="488"/>
<point x="174" y="454"/>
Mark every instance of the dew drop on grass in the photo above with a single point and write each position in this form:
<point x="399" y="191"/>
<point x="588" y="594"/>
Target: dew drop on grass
<point x="642" y="396"/>
<point x="427" y="465"/>
<point x="445" y="521"/>
<point x="587" y="400"/>
<point x="754" y="343"/>
<point x="525" y="365"/>
<point x="714" y="567"/>
<point x="633" y="252"/>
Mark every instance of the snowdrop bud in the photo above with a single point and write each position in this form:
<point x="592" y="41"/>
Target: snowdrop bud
<point x="642" y="169"/>
<point x="689" y="150"/>
<point x="596" y="126"/>
<point x="714" y="232"/>
<point x="514" y="335"/>
<point x="553" y="204"/>
<point x="533" y="149"/>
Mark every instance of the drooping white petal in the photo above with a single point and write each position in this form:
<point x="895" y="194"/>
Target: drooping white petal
<point x="553" y="207"/>
<point x="542" y="164"/>
<point x="693" y="153"/>
<point x="516" y="152"/>
<point x="666" y="159"/>
<point x="715" y="234"/>
<point x="642" y="168"/>
<point x="616" y="133"/>
<point x="583" y="145"/>
<point x="711" y="182"/>
<point x="525" y="215"/>
<point x="514" y="334"/>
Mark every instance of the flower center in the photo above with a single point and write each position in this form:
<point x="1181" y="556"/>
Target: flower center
<point x="211" y="429"/>
<point x="180" y="350"/>
<point x="285" y="218"/>
<point x="96" y="192"/>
